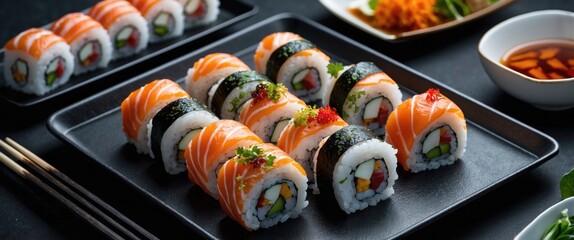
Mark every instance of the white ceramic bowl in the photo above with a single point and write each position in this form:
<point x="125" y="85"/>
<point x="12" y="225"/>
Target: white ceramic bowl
<point x="538" y="226"/>
<point x="539" y="25"/>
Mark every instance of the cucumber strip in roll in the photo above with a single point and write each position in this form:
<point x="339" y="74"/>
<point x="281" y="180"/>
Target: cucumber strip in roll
<point x="162" y="23"/>
<point x="55" y="70"/>
<point x="234" y="91"/>
<point x="281" y="54"/>
<point x="347" y="81"/>
<point x="90" y="54"/>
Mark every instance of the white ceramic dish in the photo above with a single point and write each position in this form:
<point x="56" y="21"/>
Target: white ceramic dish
<point x="340" y="9"/>
<point x="546" y="24"/>
<point x="538" y="226"/>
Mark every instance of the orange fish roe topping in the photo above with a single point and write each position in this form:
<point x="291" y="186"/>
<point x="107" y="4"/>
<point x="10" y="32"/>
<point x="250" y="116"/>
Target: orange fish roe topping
<point x="433" y="94"/>
<point x="326" y="115"/>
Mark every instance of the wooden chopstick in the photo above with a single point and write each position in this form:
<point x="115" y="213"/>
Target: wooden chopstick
<point x="77" y="210"/>
<point x="76" y="191"/>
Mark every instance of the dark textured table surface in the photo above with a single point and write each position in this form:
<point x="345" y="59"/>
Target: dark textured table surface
<point x="450" y="57"/>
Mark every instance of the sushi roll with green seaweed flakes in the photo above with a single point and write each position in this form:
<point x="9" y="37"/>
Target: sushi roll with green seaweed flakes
<point x="172" y="130"/>
<point x="227" y="97"/>
<point x="363" y="95"/>
<point x="295" y="62"/>
<point x="355" y="168"/>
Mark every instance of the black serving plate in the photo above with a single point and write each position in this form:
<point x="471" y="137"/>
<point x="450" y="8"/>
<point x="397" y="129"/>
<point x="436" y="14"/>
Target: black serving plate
<point x="499" y="148"/>
<point x="230" y="12"/>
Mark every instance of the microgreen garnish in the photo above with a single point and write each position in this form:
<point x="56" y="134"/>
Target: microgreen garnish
<point x="304" y="116"/>
<point x="254" y="156"/>
<point x="373" y="4"/>
<point x="309" y="114"/>
<point x="269" y="91"/>
<point x="334" y="68"/>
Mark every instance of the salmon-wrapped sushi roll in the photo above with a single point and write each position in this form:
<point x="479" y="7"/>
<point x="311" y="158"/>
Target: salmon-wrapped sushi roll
<point x="296" y="63"/>
<point x="354" y="168"/>
<point x="37" y="61"/>
<point x="126" y="26"/>
<point x="173" y="129"/>
<point x="363" y="95"/>
<point x="301" y="137"/>
<point x="270" y="110"/>
<point x="164" y="18"/>
<point x="200" y="12"/>
<point x="428" y="130"/>
<point x="89" y="41"/>
<point x="212" y="147"/>
<point x="262" y="186"/>
<point x="210" y="69"/>
<point x="141" y="106"/>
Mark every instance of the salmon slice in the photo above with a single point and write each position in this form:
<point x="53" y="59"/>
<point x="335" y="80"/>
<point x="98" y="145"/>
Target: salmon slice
<point x="236" y="181"/>
<point x="255" y="114"/>
<point x="142" y="105"/>
<point x="107" y="12"/>
<point x="413" y="116"/>
<point x="73" y="25"/>
<point x="144" y="5"/>
<point x="374" y="79"/>
<point x="301" y="141"/>
<point x="210" y="69"/>
<point x="268" y="45"/>
<point x="34" y="41"/>
<point x="211" y="147"/>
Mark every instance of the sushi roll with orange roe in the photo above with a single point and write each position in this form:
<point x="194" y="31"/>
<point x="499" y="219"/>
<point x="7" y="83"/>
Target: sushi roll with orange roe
<point x="301" y="137"/>
<point x="37" y="61"/>
<point x="126" y="26"/>
<point x="261" y="186"/>
<point x="89" y="41"/>
<point x="164" y="17"/>
<point x="428" y="130"/>
<point x="270" y="110"/>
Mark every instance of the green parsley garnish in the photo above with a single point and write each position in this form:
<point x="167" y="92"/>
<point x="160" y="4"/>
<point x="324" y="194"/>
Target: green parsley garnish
<point x="304" y="115"/>
<point x="334" y="68"/>
<point x="254" y="156"/>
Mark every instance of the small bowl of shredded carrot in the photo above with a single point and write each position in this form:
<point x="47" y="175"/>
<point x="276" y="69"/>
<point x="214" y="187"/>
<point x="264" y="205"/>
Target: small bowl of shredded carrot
<point x="531" y="57"/>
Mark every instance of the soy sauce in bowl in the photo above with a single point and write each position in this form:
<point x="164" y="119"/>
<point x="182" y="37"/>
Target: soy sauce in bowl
<point x="543" y="59"/>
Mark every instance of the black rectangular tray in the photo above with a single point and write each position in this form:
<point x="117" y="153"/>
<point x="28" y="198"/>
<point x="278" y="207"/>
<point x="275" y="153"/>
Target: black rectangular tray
<point x="499" y="148"/>
<point x="230" y="12"/>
